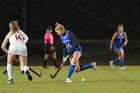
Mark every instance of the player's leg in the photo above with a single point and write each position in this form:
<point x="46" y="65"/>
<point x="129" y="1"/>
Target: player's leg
<point x="122" y="59"/>
<point x="54" y="59"/>
<point x="82" y="67"/>
<point x="74" y="59"/>
<point x="112" y="62"/>
<point x="9" y="68"/>
<point x="23" y="60"/>
<point x="46" y="57"/>
<point x="21" y="68"/>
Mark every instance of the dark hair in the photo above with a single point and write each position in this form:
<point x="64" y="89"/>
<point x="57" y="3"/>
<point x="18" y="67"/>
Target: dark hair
<point x="49" y="28"/>
<point x="120" y="25"/>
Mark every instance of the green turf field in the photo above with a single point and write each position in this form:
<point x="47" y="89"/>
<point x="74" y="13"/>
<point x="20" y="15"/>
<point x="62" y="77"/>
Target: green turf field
<point x="105" y="81"/>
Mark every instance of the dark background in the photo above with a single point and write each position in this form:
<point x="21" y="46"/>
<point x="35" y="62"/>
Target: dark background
<point x="92" y="21"/>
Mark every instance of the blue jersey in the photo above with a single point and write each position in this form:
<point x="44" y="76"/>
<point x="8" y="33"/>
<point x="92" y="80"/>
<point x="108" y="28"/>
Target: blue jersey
<point x="119" y="39"/>
<point x="70" y="42"/>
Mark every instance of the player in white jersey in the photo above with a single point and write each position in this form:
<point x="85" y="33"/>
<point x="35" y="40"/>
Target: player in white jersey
<point x="17" y="40"/>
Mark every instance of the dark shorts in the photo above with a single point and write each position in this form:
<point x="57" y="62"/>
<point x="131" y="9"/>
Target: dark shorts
<point x="117" y="48"/>
<point x="49" y="49"/>
<point x="77" y="49"/>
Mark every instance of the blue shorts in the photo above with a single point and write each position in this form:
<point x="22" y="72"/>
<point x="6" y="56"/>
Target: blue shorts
<point x="76" y="49"/>
<point x="118" y="48"/>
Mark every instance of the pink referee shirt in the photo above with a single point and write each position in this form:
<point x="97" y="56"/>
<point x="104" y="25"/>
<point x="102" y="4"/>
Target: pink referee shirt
<point x="48" y="38"/>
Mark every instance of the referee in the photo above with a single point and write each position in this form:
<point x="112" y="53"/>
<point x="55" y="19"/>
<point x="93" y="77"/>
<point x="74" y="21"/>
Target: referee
<point x="49" y="48"/>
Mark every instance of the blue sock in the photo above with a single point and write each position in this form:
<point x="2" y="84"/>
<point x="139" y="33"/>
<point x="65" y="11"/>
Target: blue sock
<point x="116" y="60"/>
<point x="70" y="71"/>
<point x="121" y="62"/>
<point x="85" y="66"/>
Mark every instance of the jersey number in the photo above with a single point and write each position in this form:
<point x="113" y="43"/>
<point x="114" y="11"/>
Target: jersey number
<point x="68" y="46"/>
<point x="18" y="37"/>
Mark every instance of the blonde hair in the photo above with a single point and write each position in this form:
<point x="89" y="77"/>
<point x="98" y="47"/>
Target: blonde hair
<point x="15" y="26"/>
<point x="59" y="26"/>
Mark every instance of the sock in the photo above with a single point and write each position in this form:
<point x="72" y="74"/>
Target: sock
<point x="45" y="61"/>
<point x="70" y="71"/>
<point x="121" y="62"/>
<point x="54" y="61"/>
<point x="21" y="67"/>
<point x="85" y="66"/>
<point x="116" y="60"/>
<point x="26" y="70"/>
<point x="9" y="71"/>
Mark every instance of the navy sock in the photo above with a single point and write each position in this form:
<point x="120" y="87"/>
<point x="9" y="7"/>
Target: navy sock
<point x="85" y="66"/>
<point x="116" y="60"/>
<point x="70" y="71"/>
<point x="121" y="62"/>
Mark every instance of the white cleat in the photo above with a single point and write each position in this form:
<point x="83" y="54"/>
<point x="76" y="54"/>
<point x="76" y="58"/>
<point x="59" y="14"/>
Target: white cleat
<point x="122" y="68"/>
<point x="111" y="64"/>
<point x="68" y="80"/>
<point x="94" y="66"/>
<point x="10" y="81"/>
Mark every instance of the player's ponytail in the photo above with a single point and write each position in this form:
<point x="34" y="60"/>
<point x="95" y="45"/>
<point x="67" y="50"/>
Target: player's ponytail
<point x="58" y="26"/>
<point x="15" y="26"/>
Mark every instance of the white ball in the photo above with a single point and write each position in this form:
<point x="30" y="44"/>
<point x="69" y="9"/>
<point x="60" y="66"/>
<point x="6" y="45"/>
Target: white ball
<point x="83" y="79"/>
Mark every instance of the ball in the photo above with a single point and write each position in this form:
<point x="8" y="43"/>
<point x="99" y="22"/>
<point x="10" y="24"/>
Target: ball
<point x="83" y="79"/>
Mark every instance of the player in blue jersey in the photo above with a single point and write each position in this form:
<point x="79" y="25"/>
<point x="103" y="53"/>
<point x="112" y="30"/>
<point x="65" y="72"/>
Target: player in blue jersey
<point x="118" y="41"/>
<point x="72" y="48"/>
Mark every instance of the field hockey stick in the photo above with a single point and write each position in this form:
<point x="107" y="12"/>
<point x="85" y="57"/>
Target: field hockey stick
<point x="62" y="64"/>
<point x="38" y="74"/>
<point x="1" y="57"/>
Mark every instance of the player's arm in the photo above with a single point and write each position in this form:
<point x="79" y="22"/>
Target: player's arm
<point x="112" y="40"/>
<point x="73" y="38"/>
<point x="25" y="36"/>
<point x="64" y="51"/>
<point x="126" y="39"/>
<point x="4" y="43"/>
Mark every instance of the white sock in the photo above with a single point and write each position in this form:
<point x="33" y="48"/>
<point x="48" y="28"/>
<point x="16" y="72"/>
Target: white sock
<point x="25" y="68"/>
<point x="21" y="67"/>
<point x="9" y="71"/>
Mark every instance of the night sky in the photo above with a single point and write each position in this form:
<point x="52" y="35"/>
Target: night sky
<point x="87" y="19"/>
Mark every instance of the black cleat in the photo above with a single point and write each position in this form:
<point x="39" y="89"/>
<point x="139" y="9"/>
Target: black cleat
<point x="22" y="72"/>
<point x="45" y="67"/>
<point x="5" y="71"/>
<point x="30" y="77"/>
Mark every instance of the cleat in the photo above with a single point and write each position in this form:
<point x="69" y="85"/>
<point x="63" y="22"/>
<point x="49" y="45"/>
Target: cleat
<point x="111" y="64"/>
<point x="122" y="68"/>
<point x="45" y="67"/>
<point x="30" y="77"/>
<point x="68" y="80"/>
<point x="22" y="72"/>
<point x="94" y="66"/>
<point x="10" y="81"/>
<point x="4" y="72"/>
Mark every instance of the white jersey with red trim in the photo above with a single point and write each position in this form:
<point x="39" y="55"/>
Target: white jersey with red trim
<point x="18" y="44"/>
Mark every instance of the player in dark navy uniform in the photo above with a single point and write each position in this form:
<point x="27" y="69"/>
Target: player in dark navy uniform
<point x="118" y="44"/>
<point x="72" y="48"/>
